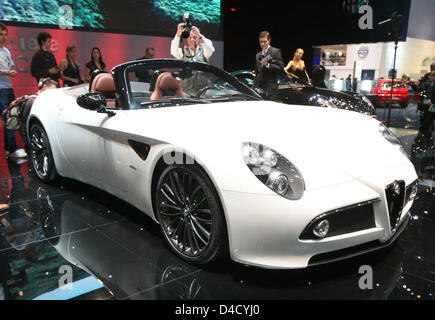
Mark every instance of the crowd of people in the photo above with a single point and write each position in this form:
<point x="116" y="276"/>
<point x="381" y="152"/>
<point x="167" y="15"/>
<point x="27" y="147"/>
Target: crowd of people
<point x="48" y="73"/>
<point x="44" y="65"/>
<point x="269" y="67"/>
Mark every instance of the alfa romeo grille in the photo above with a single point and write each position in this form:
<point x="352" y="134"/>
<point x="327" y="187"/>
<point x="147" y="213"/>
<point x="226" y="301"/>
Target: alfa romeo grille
<point x="395" y="194"/>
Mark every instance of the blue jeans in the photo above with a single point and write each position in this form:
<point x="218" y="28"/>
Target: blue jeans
<point x="6" y="97"/>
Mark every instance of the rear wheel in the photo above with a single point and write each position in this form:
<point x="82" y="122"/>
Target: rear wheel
<point x="41" y="155"/>
<point x="190" y="214"/>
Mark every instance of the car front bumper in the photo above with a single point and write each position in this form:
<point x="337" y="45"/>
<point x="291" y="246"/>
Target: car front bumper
<point x="265" y="231"/>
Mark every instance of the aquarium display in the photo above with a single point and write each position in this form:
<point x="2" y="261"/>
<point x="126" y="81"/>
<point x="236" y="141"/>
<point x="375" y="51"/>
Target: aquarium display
<point x="148" y="17"/>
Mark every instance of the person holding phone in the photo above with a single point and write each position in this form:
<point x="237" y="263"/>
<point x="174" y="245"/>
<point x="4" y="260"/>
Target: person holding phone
<point x="268" y="65"/>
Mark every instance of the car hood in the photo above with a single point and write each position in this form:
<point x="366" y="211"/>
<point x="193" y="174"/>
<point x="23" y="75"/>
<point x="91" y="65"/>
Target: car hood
<point x="341" y="100"/>
<point x="317" y="90"/>
<point x="328" y="146"/>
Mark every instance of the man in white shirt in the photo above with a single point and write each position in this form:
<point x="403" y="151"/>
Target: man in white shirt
<point x="196" y="47"/>
<point x="7" y="70"/>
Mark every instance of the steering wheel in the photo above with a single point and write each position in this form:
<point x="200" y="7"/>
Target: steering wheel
<point x="203" y="90"/>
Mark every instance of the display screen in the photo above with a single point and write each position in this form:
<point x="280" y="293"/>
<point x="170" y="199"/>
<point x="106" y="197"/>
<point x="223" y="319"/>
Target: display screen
<point x="147" y="17"/>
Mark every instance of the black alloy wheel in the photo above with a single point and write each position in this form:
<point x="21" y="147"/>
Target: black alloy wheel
<point x="41" y="155"/>
<point x="190" y="214"/>
<point x="50" y="220"/>
<point x="187" y="286"/>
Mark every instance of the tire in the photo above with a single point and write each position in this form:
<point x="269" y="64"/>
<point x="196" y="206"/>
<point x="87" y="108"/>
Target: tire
<point x="403" y="105"/>
<point x="50" y="220"/>
<point x="41" y="154"/>
<point x="190" y="214"/>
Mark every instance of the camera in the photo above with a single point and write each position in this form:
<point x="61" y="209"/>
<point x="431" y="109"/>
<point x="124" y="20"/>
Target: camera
<point x="187" y="26"/>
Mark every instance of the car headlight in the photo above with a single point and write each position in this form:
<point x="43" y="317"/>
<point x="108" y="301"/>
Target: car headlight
<point x="273" y="170"/>
<point x="387" y="134"/>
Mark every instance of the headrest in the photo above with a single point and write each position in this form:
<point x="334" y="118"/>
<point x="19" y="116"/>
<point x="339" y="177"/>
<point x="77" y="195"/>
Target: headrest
<point x="95" y="73"/>
<point x="167" y="86"/>
<point x="104" y="83"/>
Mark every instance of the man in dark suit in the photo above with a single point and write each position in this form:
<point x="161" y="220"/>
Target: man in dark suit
<point x="145" y="75"/>
<point x="429" y="116"/>
<point x="268" y="65"/>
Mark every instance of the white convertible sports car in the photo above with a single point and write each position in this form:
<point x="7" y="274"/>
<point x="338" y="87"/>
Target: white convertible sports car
<point x="222" y="171"/>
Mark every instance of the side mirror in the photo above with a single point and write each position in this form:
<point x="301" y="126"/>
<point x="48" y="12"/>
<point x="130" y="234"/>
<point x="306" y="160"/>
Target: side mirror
<point x="92" y="100"/>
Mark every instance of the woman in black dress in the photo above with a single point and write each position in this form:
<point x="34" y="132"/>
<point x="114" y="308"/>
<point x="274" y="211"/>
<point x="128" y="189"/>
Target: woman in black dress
<point x="95" y="63"/>
<point x="296" y="67"/>
<point x="69" y="68"/>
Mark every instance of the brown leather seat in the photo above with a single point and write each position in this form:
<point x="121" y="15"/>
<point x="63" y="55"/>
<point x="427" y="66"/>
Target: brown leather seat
<point x="106" y="85"/>
<point x="167" y="87"/>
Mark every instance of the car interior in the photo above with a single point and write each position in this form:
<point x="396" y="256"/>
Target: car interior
<point x="167" y="83"/>
<point x="167" y="86"/>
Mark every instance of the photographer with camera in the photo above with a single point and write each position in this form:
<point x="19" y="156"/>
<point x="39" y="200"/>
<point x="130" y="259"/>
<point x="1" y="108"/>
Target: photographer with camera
<point x="190" y="44"/>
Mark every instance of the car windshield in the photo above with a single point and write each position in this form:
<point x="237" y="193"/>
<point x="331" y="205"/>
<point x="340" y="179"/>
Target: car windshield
<point x="291" y="81"/>
<point x="247" y="77"/>
<point x="396" y="84"/>
<point x="150" y="86"/>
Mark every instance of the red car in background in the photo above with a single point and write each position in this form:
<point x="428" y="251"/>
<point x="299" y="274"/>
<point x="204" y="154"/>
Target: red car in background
<point x="382" y="88"/>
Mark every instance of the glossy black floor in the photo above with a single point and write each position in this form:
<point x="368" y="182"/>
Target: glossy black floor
<point x="110" y="250"/>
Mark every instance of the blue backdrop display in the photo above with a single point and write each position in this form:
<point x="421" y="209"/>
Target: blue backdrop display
<point x="148" y="17"/>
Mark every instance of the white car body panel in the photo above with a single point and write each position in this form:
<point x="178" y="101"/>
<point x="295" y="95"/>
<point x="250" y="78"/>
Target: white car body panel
<point x="342" y="156"/>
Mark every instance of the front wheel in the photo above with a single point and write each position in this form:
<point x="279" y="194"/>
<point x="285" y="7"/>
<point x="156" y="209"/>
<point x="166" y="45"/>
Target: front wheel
<point x="190" y="214"/>
<point x="41" y="155"/>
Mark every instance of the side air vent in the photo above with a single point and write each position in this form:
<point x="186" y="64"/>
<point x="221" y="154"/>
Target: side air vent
<point x="344" y="220"/>
<point x="141" y="149"/>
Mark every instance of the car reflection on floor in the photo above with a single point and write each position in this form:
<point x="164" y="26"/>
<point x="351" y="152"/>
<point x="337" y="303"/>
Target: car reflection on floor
<point x="408" y="118"/>
<point x="113" y="251"/>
